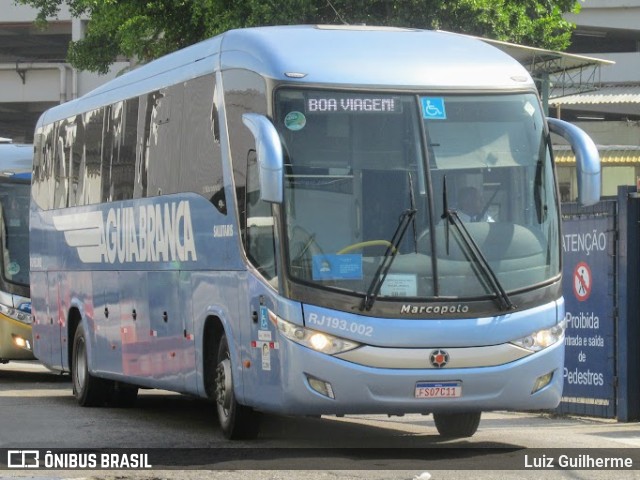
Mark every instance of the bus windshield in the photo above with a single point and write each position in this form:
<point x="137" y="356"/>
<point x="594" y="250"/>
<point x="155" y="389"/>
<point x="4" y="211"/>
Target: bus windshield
<point x="358" y="163"/>
<point x="14" y="209"/>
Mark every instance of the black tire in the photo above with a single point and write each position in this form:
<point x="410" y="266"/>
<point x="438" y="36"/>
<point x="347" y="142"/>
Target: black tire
<point x="89" y="391"/>
<point x="457" y="425"/>
<point x="123" y="395"/>
<point x="236" y="421"/>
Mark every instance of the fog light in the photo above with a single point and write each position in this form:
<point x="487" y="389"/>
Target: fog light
<point x="320" y="386"/>
<point x="21" y="342"/>
<point x="542" y="382"/>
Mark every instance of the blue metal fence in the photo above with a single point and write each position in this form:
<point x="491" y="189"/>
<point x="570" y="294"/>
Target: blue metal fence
<point x="628" y="294"/>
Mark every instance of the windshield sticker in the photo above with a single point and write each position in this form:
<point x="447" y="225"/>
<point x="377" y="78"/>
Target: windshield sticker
<point x="433" y="108"/>
<point x="530" y="109"/>
<point x="337" y="267"/>
<point x="295" y="121"/>
<point x="13" y="269"/>
<point x="400" y="285"/>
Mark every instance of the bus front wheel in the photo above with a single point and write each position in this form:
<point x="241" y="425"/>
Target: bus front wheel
<point x="236" y="421"/>
<point x="457" y="425"/>
<point x="89" y="391"/>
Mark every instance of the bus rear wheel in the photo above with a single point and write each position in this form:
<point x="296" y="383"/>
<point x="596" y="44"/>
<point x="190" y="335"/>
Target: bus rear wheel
<point x="89" y="391"/>
<point x="236" y="421"/>
<point x="457" y="425"/>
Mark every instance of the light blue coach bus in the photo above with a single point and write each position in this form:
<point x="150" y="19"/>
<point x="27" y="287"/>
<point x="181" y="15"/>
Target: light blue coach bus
<point x="270" y="219"/>
<point x="15" y="305"/>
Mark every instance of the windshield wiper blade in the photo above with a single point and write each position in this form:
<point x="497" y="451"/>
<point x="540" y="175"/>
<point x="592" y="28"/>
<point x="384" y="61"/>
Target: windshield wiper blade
<point x="387" y="260"/>
<point x="446" y="212"/>
<point x="450" y="216"/>
<point x="412" y="200"/>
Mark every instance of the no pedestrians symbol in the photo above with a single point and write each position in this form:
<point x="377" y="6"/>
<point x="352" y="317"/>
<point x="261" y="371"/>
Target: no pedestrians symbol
<point x="582" y="281"/>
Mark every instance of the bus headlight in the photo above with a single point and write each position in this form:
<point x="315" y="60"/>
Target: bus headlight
<point x="542" y="339"/>
<point x="16" y="314"/>
<point x="20" y="342"/>
<point x="313" y="339"/>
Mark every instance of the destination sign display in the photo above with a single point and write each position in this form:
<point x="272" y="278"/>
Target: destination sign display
<point x="353" y="104"/>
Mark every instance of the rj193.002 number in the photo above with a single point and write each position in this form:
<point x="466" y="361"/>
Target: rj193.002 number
<point x="340" y="324"/>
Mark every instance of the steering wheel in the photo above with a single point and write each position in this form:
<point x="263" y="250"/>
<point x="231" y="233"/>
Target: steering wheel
<point x="369" y="243"/>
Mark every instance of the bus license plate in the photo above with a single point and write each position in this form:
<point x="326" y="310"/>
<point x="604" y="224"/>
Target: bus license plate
<point x="438" y="389"/>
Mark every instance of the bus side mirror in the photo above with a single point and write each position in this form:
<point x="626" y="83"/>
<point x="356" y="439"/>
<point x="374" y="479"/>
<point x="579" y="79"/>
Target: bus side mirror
<point x="270" y="157"/>
<point x="587" y="159"/>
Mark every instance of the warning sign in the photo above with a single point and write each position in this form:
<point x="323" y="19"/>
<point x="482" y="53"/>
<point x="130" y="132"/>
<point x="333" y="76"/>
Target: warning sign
<point x="589" y="363"/>
<point x="582" y="281"/>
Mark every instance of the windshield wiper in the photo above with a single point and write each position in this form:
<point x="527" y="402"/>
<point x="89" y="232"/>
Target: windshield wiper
<point x="412" y="200"/>
<point x="450" y="216"/>
<point x="387" y="260"/>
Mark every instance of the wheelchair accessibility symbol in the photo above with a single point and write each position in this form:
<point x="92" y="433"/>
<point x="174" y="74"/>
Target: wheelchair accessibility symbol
<point x="433" y="108"/>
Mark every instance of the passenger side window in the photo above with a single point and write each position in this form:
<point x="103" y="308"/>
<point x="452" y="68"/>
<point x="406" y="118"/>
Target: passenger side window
<point x="166" y="142"/>
<point x="244" y="92"/>
<point x="64" y="151"/>
<point x="76" y="163"/>
<point x="90" y="184"/>
<point x="124" y="151"/>
<point x="43" y="167"/>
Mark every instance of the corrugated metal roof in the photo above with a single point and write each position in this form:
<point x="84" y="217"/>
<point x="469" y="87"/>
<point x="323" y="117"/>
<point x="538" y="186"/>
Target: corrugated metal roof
<point x="609" y="154"/>
<point x="538" y="60"/>
<point x="603" y="95"/>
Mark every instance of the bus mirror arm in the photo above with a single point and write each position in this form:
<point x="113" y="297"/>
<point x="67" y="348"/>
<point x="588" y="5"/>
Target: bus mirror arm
<point x="587" y="159"/>
<point x="270" y="157"/>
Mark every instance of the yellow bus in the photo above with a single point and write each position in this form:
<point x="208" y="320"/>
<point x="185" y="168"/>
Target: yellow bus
<point x="15" y="302"/>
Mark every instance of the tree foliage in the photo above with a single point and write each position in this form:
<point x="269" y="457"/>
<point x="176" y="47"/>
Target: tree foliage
<point x="147" y="29"/>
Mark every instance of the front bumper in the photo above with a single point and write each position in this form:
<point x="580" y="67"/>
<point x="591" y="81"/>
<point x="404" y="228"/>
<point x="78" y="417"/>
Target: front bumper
<point x="359" y="389"/>
<point x="16" y="341"/>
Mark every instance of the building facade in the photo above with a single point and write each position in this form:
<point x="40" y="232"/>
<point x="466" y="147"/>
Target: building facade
<point x="34" y="74"/>
<point x="610" y="112"/>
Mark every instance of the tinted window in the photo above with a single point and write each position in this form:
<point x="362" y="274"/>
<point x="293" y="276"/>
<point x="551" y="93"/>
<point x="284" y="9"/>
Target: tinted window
<point x="201" y="150"/>
<point x="43" y="167"/>
<point x="64" y="144"/>
<point x="244" y="93"/>
<point x="123" y="158"/>
<point x="76" y="173"/>
<point x="165" y="142"/>
<point x="91" y="184"/>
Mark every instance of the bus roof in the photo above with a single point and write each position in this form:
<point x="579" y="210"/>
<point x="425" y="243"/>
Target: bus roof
<point x="379" y="57"/>
<point x="16" y="160"/>
<point x="340" y="56"/>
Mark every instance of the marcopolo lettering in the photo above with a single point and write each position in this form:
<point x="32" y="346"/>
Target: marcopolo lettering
<point x="436" y="309"/>
<point x="148" y="233"/>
